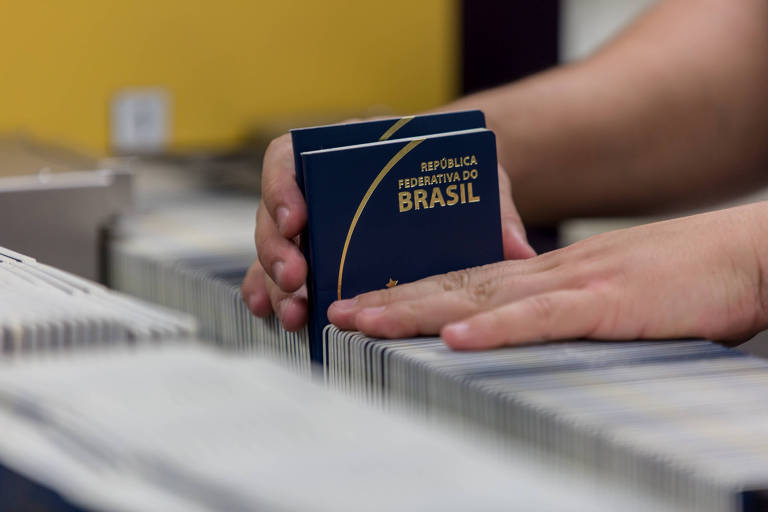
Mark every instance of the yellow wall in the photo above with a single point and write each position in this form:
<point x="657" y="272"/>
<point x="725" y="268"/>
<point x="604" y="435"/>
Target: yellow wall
<point x="228" y="64"/>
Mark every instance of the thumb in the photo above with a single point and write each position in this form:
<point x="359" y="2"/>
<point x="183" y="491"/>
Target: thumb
<point x="515" y="243"/>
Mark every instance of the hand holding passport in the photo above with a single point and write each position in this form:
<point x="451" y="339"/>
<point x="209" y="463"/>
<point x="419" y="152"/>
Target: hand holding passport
<point x="387" y="201"/>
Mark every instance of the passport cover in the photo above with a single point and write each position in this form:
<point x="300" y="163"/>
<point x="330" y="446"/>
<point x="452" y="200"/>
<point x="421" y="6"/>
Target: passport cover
<point x="348" y="134"/>
<point x="387" y="213"/>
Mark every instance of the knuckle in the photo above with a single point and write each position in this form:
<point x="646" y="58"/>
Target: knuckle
<point x="604" y="296"/>
<point x="483" y="292"/>
<point x="456" y="280"/>
<point x="253" y="280"/>
<point x="278" y="166"/>
<point x="543" y="309"/>
<point x="272" y="148"/>
<point x="377" y="297"/>
<point x="260" y="235"/>
<point x="274" y="294"/>
<point x="279" y="145"/>
<point x="265" y="250"/>
<point x="270" y="187"/>
<point x="386" y="297"/>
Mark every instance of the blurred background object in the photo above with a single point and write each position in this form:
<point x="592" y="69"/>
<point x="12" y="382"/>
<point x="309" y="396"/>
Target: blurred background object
<point x="207" y="85"/>
<point x="20" y="154"/>
<point x="56" y="203"/>
<point x="172" y="76"/>
<point x="188" y="95"/>
<point x="587" y="24"/>
<point x="204" y="86"/>
<point x="219" y="68"/>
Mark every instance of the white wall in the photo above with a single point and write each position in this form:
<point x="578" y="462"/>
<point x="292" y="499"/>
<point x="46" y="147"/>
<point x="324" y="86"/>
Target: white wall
<point x="586" y="24"/>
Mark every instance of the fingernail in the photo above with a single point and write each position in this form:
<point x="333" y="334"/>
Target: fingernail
<point x="373" y="311"/>
<point x="344" y="305"/>
<point x="282" y="218"/>
<point x="457" y="332"/>
<point x="277" y="271"/>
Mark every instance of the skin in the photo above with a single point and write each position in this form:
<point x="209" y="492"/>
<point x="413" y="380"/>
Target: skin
<point x="673" y="279"/>
<point x="283" y="289"/>
<point x="671" y="114"/>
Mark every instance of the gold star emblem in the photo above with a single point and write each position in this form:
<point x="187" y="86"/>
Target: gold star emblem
<point x="391" y="283"/>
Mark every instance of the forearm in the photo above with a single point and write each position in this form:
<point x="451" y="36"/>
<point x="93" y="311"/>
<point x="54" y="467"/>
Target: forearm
<point x="673" y="112"/>
<point x="755" y="227"/>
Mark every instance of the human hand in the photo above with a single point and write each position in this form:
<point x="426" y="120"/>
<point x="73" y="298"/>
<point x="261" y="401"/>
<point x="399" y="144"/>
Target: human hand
<point x="698" y="276"/>
<point x="277" y="279"/>
<point x="280" y="218"/>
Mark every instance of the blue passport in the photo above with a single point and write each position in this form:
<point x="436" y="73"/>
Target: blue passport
<point x="348" y="134"/>
<point x="390" y="212"/>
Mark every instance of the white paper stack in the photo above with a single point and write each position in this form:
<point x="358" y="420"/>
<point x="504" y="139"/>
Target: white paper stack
<point x="43" y="309"/>
<point x="107" y="403"/>
<point x="183" y="427"/>
<point x="683" y="419"/>
<point x="192" y="256"/>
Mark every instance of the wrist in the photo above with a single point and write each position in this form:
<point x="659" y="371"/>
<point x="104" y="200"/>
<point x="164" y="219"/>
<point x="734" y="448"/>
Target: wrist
<point x="756" y="223"/>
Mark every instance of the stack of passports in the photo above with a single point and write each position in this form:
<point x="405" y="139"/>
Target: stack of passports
<point x="108" y="403"/>
<point x="393" y="201"/>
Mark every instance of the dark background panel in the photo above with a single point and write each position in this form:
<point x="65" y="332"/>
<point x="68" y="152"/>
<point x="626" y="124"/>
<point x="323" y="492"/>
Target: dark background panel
<point x="507" y="40"/>
<point x="504" y="41"/>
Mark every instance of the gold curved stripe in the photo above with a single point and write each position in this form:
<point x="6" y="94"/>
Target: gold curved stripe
<point x="392" y="129"/>
<point x="400" y="154"/>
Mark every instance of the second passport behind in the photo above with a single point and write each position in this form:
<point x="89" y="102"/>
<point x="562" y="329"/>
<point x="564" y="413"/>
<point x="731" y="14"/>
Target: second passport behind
<point x="393" y="201"/>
